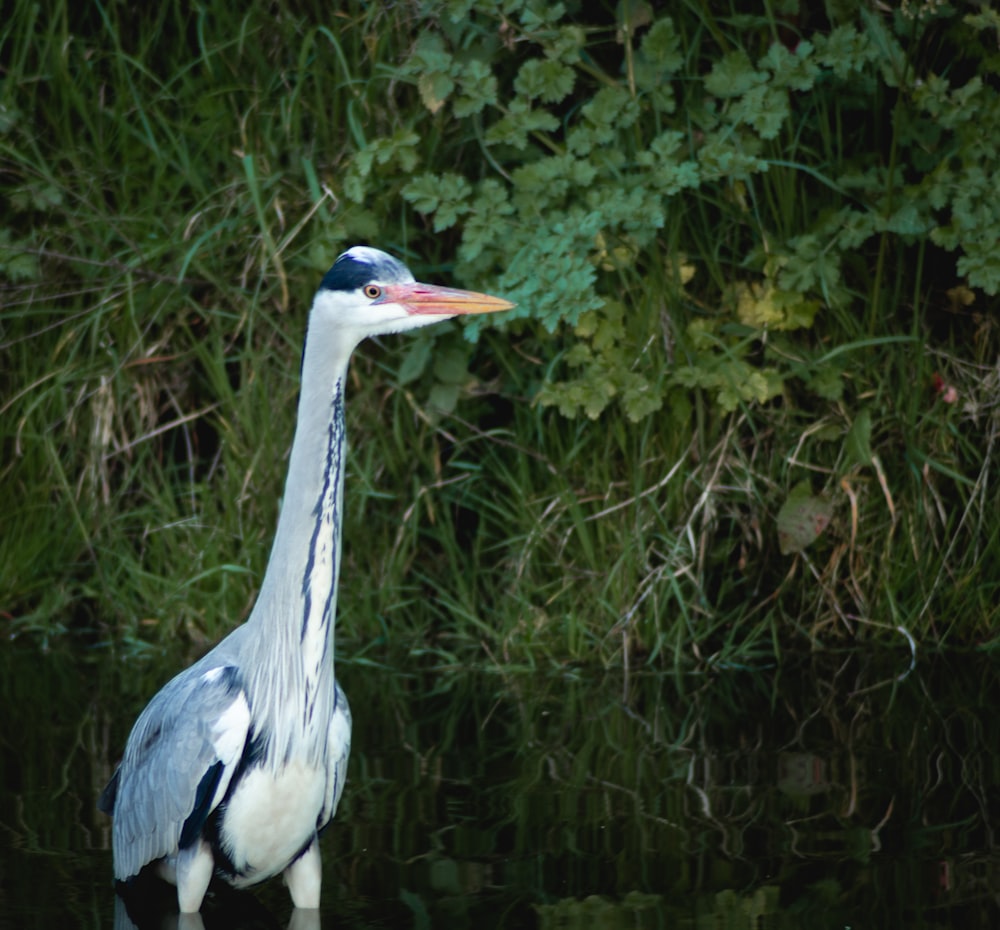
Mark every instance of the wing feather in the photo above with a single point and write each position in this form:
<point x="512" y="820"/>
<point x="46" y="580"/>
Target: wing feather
<point x="179" y="760"/>
<point x="338" y="751"/>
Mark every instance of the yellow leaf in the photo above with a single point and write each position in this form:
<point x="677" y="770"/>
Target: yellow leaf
<point x="755" y="305"/>
<point x="434" y="89"/>
<point x="959" y="297"/>
<point x="678" y="266"/>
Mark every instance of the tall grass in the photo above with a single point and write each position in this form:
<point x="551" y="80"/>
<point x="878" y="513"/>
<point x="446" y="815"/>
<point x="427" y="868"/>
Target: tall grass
<point x="172" y="180"/>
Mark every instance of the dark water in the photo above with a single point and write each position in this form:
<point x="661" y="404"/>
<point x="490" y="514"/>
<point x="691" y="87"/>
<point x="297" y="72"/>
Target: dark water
<point x="822" y="794"/>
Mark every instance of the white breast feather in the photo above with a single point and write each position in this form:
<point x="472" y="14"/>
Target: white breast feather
<point x="269" y="818"/>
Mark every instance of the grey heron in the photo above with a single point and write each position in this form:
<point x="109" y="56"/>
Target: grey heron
<point x="238" y="762"/>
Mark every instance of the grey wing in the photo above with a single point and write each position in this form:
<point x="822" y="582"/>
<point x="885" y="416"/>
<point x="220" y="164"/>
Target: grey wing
<point x="338" y="750"/>
<point x="179" y="760"/>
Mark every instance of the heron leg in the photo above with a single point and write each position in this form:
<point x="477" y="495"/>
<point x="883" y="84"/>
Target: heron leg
<point x="166" y="868"/>
<point x="304" y="877"/>
<point x="195" y="865"/>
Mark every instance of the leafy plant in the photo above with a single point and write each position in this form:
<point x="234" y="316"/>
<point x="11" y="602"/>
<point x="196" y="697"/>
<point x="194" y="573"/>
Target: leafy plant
<point x="749" y="247"/>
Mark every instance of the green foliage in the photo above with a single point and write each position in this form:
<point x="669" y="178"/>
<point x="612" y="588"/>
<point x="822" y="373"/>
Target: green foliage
<point x="747" y="246"/>
<point x="754" y="131"/>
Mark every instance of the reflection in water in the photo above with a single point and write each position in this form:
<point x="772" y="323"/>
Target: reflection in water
<point x="826" y="792"/>
<point x="304" y="919"/>
<point x="239" y="912"/>
<point x="149" y="904"/>
<point x="124" y="920"/>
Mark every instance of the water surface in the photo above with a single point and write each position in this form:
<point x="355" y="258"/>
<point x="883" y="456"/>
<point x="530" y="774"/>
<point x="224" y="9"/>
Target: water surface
<point x="826" y="793"/>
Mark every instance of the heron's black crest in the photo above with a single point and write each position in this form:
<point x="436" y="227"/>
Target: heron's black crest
<point x="360" y="266"/>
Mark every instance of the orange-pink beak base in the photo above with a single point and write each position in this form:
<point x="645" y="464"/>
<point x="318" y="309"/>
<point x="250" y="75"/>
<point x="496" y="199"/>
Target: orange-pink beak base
<point x="446" y="301"/>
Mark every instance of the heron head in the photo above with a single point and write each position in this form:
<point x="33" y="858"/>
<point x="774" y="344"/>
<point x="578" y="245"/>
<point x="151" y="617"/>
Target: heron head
<point x="372" y="293"/>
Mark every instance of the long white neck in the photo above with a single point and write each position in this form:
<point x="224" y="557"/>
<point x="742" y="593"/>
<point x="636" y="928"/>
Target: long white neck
<point x="290" y="675"/>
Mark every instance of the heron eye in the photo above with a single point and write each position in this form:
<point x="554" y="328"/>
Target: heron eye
<point x="373" y="291"/>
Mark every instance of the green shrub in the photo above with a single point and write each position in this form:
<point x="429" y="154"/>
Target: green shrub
<point x="756" y="247"/>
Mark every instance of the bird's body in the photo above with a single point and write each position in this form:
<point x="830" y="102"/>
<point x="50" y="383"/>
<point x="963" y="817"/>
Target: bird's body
<point x="238" y="763"/>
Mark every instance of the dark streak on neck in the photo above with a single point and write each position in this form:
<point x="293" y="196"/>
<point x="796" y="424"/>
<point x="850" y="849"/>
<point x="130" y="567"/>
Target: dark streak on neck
<point x="331" y="479"/>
